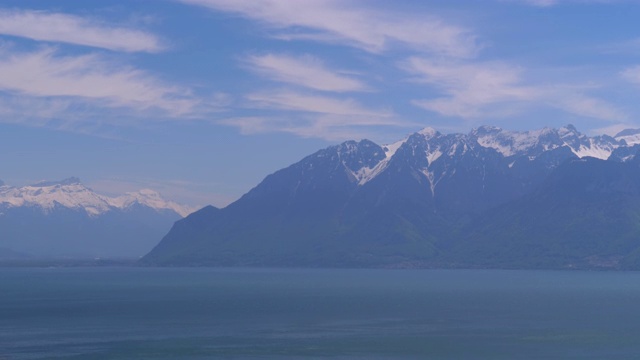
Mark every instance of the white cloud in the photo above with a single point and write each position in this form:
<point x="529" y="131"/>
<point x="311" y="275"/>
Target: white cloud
<point x="632" y="74"/>
<point x="613" y="130"/>
<point x="306" y="71"/>
<point x="583" y="105"/>
<point x="64" y="28"/>
<point x="327" y="127"/>
<point x="289" y="100"/>
<point x="541" y="3"/>
<point x="482" y="90"/>
<point x="470" y="89"/>
<point x="340" y="22"/>
<point x="550" y="3"/>
<point x="18" y="109"/>
<point x="314" y="116"/>
<point x="90" y="80"/>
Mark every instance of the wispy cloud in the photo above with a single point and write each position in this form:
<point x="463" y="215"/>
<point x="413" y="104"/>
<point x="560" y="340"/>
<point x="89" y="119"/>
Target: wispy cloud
<point x="540" y="3"/>
<point x="493" y="89"/>
<point x="469" y="89"/>
<point x="550" y="3"/>
<point x="310" y="115"/>
<point x="306" y="71"/>
<point x="65" y="28"/>
<point x="613" y="130"/>
<point x="342" y="22"/>
<point x="289" y="100"/>
<point x="579" y="103"/>
<point x="632" y="74"/>
<point x="89" y="80"/>
<point x="327" y="127"/>
<point x="442" y="56"/>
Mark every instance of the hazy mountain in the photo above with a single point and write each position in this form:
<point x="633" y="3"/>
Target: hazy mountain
<point x="415" y="202"/>
<point x="67" y="219"/>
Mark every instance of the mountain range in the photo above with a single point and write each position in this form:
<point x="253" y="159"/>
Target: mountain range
<point x="67" y="219"/>
<point x="492" y="198"/>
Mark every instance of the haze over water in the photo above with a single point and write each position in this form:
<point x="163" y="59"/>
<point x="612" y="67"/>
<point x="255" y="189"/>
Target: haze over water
<point x="142" y="313"/>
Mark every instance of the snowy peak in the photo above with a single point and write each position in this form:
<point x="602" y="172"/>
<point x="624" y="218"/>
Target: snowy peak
<point x="433" y="147"/>
<point x="71" y="194"/>
<point x="600" y="147"/>
<point x="428" y="132"/>
<point x="149" y="198"/>
<point x="629" y="136"/>
<point x="510" y="143"/>
<point x="534" y="142"/>
<point x="48" y="195"/>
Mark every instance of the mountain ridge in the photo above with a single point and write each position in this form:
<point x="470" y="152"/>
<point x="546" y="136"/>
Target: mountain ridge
<point x="65" y="219"/>
<point x="72" y="193"/>
<point x="405" y="204"/>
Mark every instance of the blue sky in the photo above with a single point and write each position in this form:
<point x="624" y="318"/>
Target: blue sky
<point x="201" y="99"/>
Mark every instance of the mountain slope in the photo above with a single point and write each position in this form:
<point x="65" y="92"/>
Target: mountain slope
<point x="416" y="202"/>
<point x="586" y="215"/>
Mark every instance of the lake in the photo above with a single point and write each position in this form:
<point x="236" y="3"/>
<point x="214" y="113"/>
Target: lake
<point x="203" y="313"/>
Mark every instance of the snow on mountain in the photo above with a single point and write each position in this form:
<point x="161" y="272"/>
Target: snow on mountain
<point x="70" y="193"/>
<point x="150" y="198"/>
<point x="367" y="174"/>
<point x="47" y="195"/>
<point x="535" y="142"/>
<point x="595" y="148"/>
<point x="530" y="143"/>
<point x="391" y="149"/>
<point x="510" y="143"/>
<point x="630" y="136"/>
<point x="600" y="147"/>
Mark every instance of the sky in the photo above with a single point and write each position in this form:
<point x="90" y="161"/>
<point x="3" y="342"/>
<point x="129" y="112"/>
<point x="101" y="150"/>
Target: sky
<point x="201" y="99"/>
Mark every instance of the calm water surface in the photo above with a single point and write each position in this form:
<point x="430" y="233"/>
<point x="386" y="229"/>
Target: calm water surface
<point x="143" y="313"/>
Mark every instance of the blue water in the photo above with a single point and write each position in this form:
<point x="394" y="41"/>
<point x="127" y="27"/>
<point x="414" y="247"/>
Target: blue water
<point x="145" y="313"/>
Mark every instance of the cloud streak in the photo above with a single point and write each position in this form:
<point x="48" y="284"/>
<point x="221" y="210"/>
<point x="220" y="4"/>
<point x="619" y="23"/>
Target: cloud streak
<point x="327" y="127"/>
<point x="339" y="22"/>
<point x="289" y="100"/>
<point x="41" y="86"/>
<point x="43" y="73"/>
<point x="64" y="28"/>
<point x="494" y="89"/>
<point x="632" y="74"/>
<point x="312" y="116"/>
<point x="306" y="71"/>
<point x="470" y="89"/>
<point x="541" y="3"/>
<point x="444" y="58"/>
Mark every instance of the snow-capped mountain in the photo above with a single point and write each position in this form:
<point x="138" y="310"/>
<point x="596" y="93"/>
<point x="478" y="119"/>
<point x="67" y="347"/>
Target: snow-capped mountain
<point x="533" y="143"/>
<point x="363" y="204"/>
<point x="495" y="165"/>
<point x="65" y="218"/>
<point x="630" y="136"/>
<point x="508" y="144"/>
<point x="70" y="193"/>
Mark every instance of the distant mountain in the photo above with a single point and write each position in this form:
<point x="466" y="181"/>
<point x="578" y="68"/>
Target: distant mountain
<point x="67" y="219"/>
<point x="417" y="202"/>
